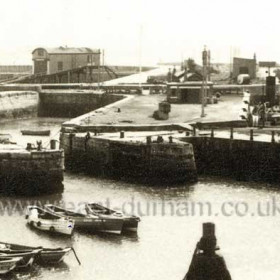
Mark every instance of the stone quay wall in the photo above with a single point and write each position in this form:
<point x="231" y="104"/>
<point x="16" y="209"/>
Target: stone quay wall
<point x="72" y="103"/>
<point x="239" y="159"/>
<point x="31" y="172"/>
<point x="146" y="162"/>
<point x="18" y="104"/>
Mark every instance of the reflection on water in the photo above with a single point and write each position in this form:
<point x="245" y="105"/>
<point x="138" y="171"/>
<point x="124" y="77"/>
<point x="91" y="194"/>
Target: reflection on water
<point x="168" y="231"/>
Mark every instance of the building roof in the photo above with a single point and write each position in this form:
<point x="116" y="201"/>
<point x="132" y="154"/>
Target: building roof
<point x="267" y="64"/>
<point x="66" y="50"/>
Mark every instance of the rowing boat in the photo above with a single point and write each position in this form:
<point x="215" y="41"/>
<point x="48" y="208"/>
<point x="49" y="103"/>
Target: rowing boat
<point x="130" y="222"/>
<point x="48" y="221"/>
<point x="89" y="221"/>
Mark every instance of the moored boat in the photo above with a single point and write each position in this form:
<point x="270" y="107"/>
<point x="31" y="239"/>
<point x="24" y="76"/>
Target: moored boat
<point x="46" y="255"/>
<point x="27" y="256"/>
<point x="48" y="221"/>
<point x="8" y="264"/>
<point x="89" y="221"/>
<point x="36" y="132"/>
<point x="130" y="222"/>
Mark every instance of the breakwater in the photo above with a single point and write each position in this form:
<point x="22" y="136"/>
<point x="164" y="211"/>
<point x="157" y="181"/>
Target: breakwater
<point x="239" y="159"/>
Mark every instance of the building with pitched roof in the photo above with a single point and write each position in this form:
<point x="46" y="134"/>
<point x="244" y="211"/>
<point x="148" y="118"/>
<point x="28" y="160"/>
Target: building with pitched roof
<point x="53" y="60"/>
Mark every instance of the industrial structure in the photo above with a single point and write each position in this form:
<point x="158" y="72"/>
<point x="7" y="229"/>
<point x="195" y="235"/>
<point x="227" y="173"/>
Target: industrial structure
<point x="244" y="66"/>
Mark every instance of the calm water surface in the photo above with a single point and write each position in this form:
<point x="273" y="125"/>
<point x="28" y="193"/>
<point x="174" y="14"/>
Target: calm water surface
<point x="170" y="226"/>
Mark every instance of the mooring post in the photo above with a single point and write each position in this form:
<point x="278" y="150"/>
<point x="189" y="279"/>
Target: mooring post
<point x="251" y="135"/>
<point x="272" y="136"/>
<point x="194" y="131"/>
<point x="231" y="133"/>
<point x="205" y="263"/>
<point x="122" y="134"/>
<point x="212" y="132"/>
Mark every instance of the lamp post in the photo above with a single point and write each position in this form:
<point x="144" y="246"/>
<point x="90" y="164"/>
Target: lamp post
<point x="205" y="57"/>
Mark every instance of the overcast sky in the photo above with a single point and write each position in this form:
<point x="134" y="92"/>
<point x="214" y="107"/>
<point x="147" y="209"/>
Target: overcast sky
<point x="171" y="29"/>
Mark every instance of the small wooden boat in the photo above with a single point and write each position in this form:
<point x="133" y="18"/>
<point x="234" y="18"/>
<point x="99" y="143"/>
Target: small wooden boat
<point x="130" y="222"/>
<point x="89" y="221"/>
<point x="8" y="264"/>
<point x="48" y="221"/>
<point x="36" y="132"/>
<point x="27" y="256"/>
<point x="45" y="255"/>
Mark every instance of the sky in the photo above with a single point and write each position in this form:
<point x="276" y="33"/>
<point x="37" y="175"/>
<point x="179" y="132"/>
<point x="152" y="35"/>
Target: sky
<point x="145" y="32"/>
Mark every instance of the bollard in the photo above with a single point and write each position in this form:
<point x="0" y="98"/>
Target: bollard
<point x="149" y="139"/>
<point x="205" y="263"/>
<point x="272" y="136"/>
<point x="212" y="132"/>
<point x="194" y="131"/>
<point x="119" y="110"/>
<point x="53" y="144"/>
<point x="251" y="135"/>
<point x="122" y="134"/>
<point x="170" y="139"/>
<point x="231" y="133"/>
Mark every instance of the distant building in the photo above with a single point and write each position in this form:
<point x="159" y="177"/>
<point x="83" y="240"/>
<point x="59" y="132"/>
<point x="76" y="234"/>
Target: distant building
<point x="244" y="66"/>
<point x="268" y="64"/>
<point x="53" y="60"/>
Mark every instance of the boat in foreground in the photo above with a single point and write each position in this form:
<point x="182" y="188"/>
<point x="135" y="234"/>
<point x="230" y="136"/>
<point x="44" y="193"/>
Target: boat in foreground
<point x="48" y="221"/>
<point x="130" y="222"/>
<point x="89" y="221"/>
<point x="45" y="255"/>
<point x="8" y="264"/>
<point x="27" y="256"/>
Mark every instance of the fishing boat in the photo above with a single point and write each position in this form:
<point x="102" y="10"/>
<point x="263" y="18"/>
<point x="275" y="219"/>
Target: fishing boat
<point x="89" y="221"/>
<point x="45" y="255"/>
<point x="8" y="264"/>
<point x="27" y="256"/>
<point x="36" y="132"/>
<point x="48" y="221"/>
<point x="130" y="222"/>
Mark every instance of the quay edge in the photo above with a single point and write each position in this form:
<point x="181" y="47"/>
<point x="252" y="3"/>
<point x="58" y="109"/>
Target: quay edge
<point x="136" y="158"/>
<point x="31" y="172"/>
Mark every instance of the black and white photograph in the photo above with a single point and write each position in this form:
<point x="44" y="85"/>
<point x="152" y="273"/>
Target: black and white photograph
<point x="139" y="140"/>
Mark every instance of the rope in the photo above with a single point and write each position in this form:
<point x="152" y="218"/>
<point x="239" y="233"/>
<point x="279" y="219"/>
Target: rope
<point x="76" y="256"/>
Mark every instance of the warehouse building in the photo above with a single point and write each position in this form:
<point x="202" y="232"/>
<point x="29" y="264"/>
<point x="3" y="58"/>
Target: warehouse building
<point x="244" y="66"/>
<point x="53" y="60"/>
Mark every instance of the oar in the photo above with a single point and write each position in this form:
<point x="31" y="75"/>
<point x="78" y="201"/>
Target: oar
<point x="76" y="256"/>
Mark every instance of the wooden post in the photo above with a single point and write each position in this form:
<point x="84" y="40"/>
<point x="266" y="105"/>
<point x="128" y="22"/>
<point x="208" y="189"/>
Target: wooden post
<point x="272" y="136"/>
<point x="194" y="131"/>
<point x="251" y="135"/>
<point x="212" y="132"/>
<point x="231" y="133"/>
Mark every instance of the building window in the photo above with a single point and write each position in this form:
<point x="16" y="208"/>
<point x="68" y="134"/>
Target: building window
<point x="59" y="65"/>
<point x="40" y="52"/>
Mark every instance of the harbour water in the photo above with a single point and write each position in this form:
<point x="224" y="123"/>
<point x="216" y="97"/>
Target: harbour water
<point x="171" y="224"/>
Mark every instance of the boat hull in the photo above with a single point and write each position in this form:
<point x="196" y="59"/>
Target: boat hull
<point x="27" y="258"/>
<point x="46" y="255"/>
<point x="8" y="264"/>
